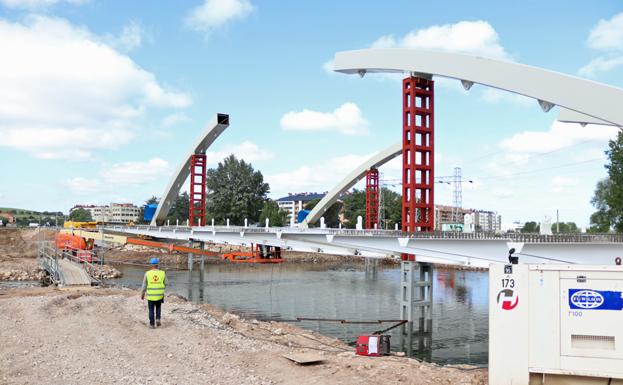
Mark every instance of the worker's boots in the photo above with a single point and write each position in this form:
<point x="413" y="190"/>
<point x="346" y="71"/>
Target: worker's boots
<point x="158" y="323"/>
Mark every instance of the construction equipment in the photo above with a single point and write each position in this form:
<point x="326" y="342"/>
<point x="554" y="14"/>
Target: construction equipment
<point x="258" y="254"/>
<point x="76" y="245"/>
<point x="555" y="324"/>
<point x="374" y="345"/>
<point x="80" y="225"/>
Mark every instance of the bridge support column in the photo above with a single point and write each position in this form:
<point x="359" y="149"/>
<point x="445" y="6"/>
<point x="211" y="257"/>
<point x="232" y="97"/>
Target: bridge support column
<point x="190" y="259"/>
<point x="372" y="265"/>
<point x="372" y="198"/>
<point x="198" y="180"/>
<point x="416" y="306"/>
<point x="418" y="174"/>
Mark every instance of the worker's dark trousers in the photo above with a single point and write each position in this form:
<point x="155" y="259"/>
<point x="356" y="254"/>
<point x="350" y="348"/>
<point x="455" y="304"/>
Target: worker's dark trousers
<point x="151" y="305"/>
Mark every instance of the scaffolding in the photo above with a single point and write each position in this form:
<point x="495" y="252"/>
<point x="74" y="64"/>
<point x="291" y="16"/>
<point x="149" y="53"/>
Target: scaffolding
<point x="372" y="198"/>
<point x="198" y="181"/>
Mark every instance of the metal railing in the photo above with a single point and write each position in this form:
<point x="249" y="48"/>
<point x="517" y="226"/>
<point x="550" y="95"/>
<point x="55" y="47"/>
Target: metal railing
<point x="49" y="256"/>
<point x="511" y="237"/>
<point x="48" y="259"/>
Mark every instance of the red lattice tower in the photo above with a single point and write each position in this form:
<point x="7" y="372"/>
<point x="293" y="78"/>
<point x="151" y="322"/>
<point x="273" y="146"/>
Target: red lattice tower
<point x="418" y="173"/>
<point x="372" y="198"/>
<point x="198" y="180"/>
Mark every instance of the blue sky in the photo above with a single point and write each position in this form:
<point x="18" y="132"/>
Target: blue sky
<point x="99" y="100"/>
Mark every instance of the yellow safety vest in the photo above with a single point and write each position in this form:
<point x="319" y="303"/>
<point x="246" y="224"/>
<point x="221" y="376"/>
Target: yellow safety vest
<point x="155" y="285"/>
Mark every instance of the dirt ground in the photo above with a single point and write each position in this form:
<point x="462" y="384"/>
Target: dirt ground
<point x="100" y="336"/>
<point x="18" y="252"/>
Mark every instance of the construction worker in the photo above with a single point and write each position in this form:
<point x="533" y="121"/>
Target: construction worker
<point x="153" y="286"/>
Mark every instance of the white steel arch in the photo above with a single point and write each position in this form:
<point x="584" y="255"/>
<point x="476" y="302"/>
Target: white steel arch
<point x="350" y="180"/>
<point x="212" y="131"/>
<point x="584" y="97"/>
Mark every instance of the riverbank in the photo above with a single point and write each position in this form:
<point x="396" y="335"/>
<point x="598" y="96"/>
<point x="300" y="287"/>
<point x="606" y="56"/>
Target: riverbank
<point x="100" y="336"/>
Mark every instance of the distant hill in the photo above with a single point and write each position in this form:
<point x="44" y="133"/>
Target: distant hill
<point x="23" y="214"/>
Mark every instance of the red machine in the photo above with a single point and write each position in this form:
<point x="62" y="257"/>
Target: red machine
<point x="374" y="345"/>
<point x="78" y="246"/>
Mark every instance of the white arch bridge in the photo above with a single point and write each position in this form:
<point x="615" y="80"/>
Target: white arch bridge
<point x="580" y="100"/>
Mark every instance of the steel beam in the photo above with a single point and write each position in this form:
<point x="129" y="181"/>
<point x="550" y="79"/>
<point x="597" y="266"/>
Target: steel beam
<point x="215" y="128"/>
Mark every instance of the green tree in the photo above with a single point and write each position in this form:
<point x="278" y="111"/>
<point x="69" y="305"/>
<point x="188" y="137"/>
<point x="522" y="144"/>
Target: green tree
<point x="79" y="215"/>
<point x="530" y="227"/>
<point x="354" y="206"/>
<point x="179" y="209"/>
<point x="331" y="216"/>
<point x="235" y="191"/>
<point x="276" y="216"/>
<point x="601" y="220"/>
<point x="608" y="198"/>
<point x="565" y="228"/>
<point x="392" y="204"/>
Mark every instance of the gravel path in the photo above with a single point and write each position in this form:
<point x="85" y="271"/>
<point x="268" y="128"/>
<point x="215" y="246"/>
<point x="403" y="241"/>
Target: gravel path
<point x="100" y="336"/>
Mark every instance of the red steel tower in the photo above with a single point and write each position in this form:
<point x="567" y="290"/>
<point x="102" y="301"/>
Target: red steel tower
<point x="198" y="180"/>
<point x="418" y="128"/>
<point x="372" y="198"/>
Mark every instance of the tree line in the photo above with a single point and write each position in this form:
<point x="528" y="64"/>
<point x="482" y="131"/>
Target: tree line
<point x="237" y="192"/>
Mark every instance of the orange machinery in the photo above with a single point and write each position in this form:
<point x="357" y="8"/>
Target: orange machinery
<point x="258" y="254"/>
<point x="75" y="245"/>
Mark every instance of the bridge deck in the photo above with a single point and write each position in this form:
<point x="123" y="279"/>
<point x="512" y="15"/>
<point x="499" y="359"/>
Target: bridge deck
<point x="72" y="274"/>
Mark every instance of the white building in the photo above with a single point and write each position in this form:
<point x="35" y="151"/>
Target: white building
<point x="486" y="221"/>
<point x="114" y="213"/>
<point x="294" y="203"/>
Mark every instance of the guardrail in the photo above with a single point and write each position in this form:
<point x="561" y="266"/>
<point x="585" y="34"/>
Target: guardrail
<point x="49" y="256"/>
<point x="511" y="237"/>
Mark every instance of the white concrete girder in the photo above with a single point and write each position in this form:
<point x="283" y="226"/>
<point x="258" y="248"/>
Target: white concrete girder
<point x="475" y="252"/>
<point x="583" y="96"/>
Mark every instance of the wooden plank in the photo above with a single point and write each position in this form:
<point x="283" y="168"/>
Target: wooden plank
<point x="304" y="358"/>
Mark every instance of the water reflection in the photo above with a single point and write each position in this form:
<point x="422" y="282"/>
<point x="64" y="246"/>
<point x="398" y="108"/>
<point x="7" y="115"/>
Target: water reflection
<point x="351" y="291"/>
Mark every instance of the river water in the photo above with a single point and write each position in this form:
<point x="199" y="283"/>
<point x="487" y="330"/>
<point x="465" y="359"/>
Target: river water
<point x="286" y="291"/>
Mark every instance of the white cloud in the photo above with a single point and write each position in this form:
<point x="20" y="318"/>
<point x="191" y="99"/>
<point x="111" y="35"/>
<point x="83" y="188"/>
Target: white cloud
<point x="125" y="174"/>
<point x="37" y="4"/>
<point x="246" y="150"/>
<point x="607" y="34"/>
<point x="84" y="186"/>
<point x="560" y="135"/>
<point x="503" y="193"/>
<point x="174" y="119"/>
<point x="346" y="119"/>
<point x="135" y="173"/>
<point x="600" y="64"/>
<point x="131" y="37"/>
<point x="559" y="184"/>
<point x="65" y="92"/>
<point x="213" y="14"/>
<point x="317" y="177"/>
<point x="328" y="66"/>
<point x="471" y="37"/>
